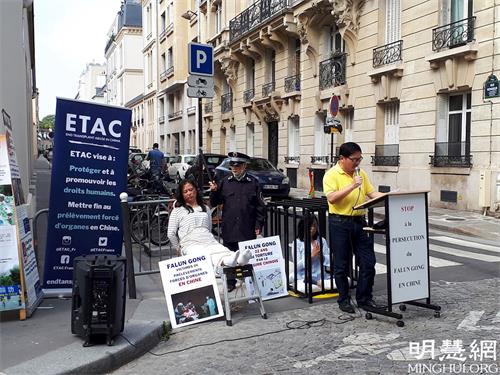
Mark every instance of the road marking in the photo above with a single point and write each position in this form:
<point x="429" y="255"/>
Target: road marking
<point x="435" y="262"/>
<point x="464" y="254"/>
<point x="470" y="244"/>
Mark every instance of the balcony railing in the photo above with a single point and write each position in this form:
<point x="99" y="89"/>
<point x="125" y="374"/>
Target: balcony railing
<point x="163" y="34"/>
<point x="319" y="159"/>
<point x="292" y="159"/>
<point x="292" y="83"/>
<point x="248" y="95"/>
<point x="253" y="16"/>
<point x="170" y="28"/>
<point x="209" y="107"/>
<point x="388" y="54"/>
<point x="170" y="71"/>
<point x="226" y="103"/>
<point x="175" y="114"/>
<point x="267" y="89"/>
<point x="163" y="75"/>
<point x="161" y="119"/>
<point x="386" y="155"/>
<point x="454" y="34"/>
<point x="453" y="154"/>
<point x="191" y="110"/>
<point x="332" y="71"/>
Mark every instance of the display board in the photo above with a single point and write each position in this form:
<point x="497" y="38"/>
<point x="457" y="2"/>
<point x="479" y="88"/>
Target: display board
<point x="408" y="247"/>
<point x="269" y="267"/>
<point x="190" y="290"/>
<point x="89" y="171"/>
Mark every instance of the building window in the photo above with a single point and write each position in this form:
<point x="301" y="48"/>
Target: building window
<point x="250" y="139"/>
<point x="294" y="136"/>
<point x="320" y="138"/>
<point x="391" y="123"/>
<point x="218" y="18"/>
<point x="335" y="42"/>
<point x="392" y="21"/>
<point x="170" y="57"/>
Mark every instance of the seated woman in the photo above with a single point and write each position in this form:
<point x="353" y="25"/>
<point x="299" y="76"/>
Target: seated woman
<point x="315" y="254"/>
<point x="189" y="229"/>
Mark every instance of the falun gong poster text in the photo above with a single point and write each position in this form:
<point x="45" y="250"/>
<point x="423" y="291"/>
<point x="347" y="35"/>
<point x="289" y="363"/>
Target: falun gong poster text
<point x="89" y="172"/>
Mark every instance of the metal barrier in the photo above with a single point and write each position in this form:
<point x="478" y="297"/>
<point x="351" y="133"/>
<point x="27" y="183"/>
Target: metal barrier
<point x="283" y="218"/>
<point x="145" y="238"/>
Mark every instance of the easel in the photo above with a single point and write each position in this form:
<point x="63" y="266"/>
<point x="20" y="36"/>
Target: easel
<point x="407" y="230"/>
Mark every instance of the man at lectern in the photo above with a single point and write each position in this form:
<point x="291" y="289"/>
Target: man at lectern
<point x="347" y="186"/>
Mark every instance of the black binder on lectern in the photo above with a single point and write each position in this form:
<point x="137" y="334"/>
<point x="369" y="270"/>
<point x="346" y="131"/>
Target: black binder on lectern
<point x="406" y="232"/>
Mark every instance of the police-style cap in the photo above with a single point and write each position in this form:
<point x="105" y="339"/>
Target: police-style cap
<point x="238" y="157"/>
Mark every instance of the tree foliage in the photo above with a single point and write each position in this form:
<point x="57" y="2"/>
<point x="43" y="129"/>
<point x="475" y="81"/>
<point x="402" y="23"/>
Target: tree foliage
<point x="47" y="122"/>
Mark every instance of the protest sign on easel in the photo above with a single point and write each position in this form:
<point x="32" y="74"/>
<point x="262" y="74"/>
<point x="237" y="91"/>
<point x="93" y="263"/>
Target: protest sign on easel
<point x="190" y="290"/>
<point x="268" y="265"/>
<point x="19" y="280"/>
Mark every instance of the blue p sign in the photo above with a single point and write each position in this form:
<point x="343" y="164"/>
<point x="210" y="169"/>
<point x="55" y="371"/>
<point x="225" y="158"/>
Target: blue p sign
<point x="201" y="59"/>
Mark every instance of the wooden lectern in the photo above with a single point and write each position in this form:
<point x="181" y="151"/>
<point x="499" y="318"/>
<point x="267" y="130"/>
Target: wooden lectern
<point x="406" y="230"/>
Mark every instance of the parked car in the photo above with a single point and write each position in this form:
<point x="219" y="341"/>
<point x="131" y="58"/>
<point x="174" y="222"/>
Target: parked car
<point x="273" y="182"/>
<point x="134" y="150"/>
<point x="212" y="161"/>
<point x="179" y="164"/>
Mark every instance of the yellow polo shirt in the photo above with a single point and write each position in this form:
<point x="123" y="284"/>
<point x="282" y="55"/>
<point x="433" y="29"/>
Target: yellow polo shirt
<point x="336" y="179"/>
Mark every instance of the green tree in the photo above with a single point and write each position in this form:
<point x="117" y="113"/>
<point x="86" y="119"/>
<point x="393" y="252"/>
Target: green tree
<point x="15" y="275"/>
<point x="5" y="280"/>
<point x="47" y="122"/>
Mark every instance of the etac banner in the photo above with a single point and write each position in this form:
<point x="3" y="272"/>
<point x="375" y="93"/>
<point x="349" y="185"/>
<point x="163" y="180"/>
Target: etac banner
<point x="89" y="171"/>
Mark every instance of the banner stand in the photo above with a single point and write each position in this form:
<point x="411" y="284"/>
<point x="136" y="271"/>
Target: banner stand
<point x="406" y="230"/>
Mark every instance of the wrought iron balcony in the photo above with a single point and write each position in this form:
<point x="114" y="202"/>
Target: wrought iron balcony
<point x="175" y="114"/>
<point x="254" y="16"/>
<point x="292" y="83"/>
<point x="386" y="155"/>
<point x="454" y="34"/>
<point x="453" y="154"/>
<point x="319" y="159"/>
<point x="161" y="119"/>
<point x="209" y="107"/>
<point x="267" y="89"/>
<point x="248" y="95"/>
<point x="163" y="75"/>
<point x="332" y="71"/>
<point x="170" y="71"/>
<point x="292" y="159"/>
<point x="388" y="54"/>
<point x="226" y="103"/>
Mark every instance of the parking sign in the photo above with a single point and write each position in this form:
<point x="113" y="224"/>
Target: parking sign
<point x="201" y="59"/>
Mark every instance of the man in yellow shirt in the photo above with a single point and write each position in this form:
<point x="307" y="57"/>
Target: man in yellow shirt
<point x="346" y="186"/>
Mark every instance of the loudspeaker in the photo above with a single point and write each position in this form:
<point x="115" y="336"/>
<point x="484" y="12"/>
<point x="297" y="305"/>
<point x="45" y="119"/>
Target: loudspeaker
<point x="98" y="305"/>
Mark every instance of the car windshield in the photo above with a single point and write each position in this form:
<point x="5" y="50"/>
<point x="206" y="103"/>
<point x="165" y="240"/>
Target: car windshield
<point x="189" y="160"/>
<point x="214" y="160"/>
<point x="260" y="165"/>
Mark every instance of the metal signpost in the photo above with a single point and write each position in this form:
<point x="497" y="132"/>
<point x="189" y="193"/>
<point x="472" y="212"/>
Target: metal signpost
<point x="200" y="80"/>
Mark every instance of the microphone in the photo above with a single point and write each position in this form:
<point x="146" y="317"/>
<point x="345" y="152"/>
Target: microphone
<point x="357" y="172"/>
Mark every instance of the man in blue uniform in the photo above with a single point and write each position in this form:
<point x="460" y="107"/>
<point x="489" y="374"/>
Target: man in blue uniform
<point x="244" y="211"/>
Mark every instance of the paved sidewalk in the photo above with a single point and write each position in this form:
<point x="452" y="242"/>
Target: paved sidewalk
<point x="44" y="344"/>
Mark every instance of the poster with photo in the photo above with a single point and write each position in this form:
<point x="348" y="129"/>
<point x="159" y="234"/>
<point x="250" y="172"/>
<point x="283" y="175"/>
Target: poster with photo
<point x="190" y="290"/>
<point x="268" y="265"/>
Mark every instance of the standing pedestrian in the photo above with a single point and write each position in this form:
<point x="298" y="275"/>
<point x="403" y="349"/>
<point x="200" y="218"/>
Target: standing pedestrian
<point x="156" y="159"/>
<point x="346" y="186"/>
<point x="243" y="211"/>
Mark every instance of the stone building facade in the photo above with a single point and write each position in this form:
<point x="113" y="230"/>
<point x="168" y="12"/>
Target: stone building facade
<point x="409" y="76"/>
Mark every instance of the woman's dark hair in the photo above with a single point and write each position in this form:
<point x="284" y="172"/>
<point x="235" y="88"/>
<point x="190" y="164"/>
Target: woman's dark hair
<point x="301" y="229"/>
<point x="348" y="148"/>
<point x="180" y="197"/>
